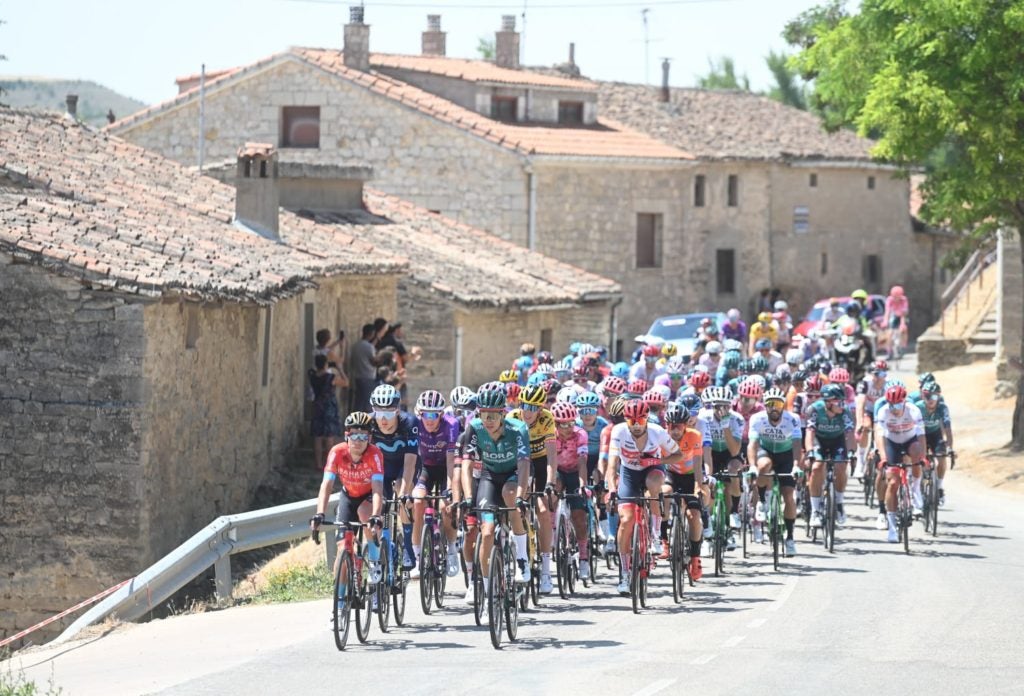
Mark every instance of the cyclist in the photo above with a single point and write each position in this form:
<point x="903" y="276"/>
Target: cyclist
<point x="656" y="401"/>
<point x="637" y="455"/>
<point x="647" y="367"/>
<point x="840" y="376"/>
<point x="783" y="324"/>
<point x="897" y="307"/>
<point x="728" y="369"/>
<point x="615" y="409"/>
<point x="501" y="445"/>
<point x="775" y="445"/>
<point x="899" y="433"/>
<point x="869" y="390"/>
<point x="698" y="381"/>
<point x="724" y="427"/>
<point x="593" y="425"/>
<point x="762" y="328"/>
<point x="635" y="389"/>
<point x="829" y="436"/>
<point x="571" y="456"/>
<point x="938" y="429"/>
<point x="673" y="378"/>
<point x="734" y="327"/>
<point x="712" y="357"/>
<point x="797" y="384"/>
<point x="360" y="468"/>
<point x="438" y="439"/>
<point x="541" y="425"/>
<point x="831" y="315"/>
<point x="679" y="422"/>
<point x="396" y="435"/>
<point x="747" y="403"/>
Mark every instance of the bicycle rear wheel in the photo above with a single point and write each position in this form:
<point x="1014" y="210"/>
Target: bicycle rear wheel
<point x="496" y="596"/>
<point x="440" y="566"/>
<point x="934" y="503"/>
<point x="384" y="589"/>
<point x="562" y="558"/>
<point x="511" y="606"/>
<point x="776" y="525"/>
<point x="400" y="581"/>
<point x="635" y="561"/>
<point x="677" y="560"/>
<point x="478" y="586"/>
<point x="364" y="601"/>
<point x="830" y="517"/>
<point x="745" y="528"/>
<point x="426" y="568"/>
<point x="343" y="590"/>
<point x="721" y="538"/>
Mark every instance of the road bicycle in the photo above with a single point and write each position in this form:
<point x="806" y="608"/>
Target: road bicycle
<point x="530" y="521"/>
<point x="473" y="574"/>
<point x="803" y="499"/>
<point x="904" y="505"/>
<point x="679" y="544"/>
<point x="433" y="554"/>
<point x="930" y="491"/>
<point x="870" y="474"/>
<point x="594" y="545"/>
<point x="352" y="588"/>
<point x="567" y="549"/>
<point x="747" y="501"/>
<point x="504" y="595"/>
<point x="720" y="521"/>
<point x="394" y="582"/>
<point x="774" y="520"/>
<point x="641" y="560"/>
<point x="829" y="510"/>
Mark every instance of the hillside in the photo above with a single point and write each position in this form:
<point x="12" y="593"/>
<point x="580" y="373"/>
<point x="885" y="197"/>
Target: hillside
<point x="93" y="100"/>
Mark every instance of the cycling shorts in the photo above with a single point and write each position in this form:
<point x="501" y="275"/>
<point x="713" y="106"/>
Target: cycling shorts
<point x="720" y="460"/>
<point x="432" y="479"/>
<point x="782" y="464"/>
<point x="831" y="449"/>
<point x="936" y="442"/>
<point x="592" y="460"/>
<point x="683" y="483"/>
<point x="348" y="509"/>
<point x="571" y="484"/>
<point x="895" y="451"/>
<point x="539" y="467"/>
<point x="633" y="482"/>
<point x="488" y="493"/>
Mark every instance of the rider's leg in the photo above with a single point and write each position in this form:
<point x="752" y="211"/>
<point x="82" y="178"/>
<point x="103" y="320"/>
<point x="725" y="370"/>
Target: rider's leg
<point x="816" y="484"/>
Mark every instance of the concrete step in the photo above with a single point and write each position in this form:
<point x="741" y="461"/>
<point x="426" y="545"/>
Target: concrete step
<point x="982" y="350"/>
<point x="984" y="337"/>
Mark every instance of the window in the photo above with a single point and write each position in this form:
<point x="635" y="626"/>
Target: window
<point x="801" y="219"/>
<point x="814" y="181"/>
<point x="648" y="240"/>
<point x="191" y="326"/>
<point x="872" y="269"/>
<point x="698" y="191"/>
<point x="266" y="346"/>
<point x="725" y="271"/>
<point x="734" y="191"/>
<point x="545" y="340"/>
<point x="871" y="183"/>
<point x="504" y="108"/>
<point x="824" y="263"/>
<point x="300" y="126"/>
<point x="570" y="112"/>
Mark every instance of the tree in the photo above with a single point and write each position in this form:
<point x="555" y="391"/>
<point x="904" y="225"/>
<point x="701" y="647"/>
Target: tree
<point x="940" y="75"/>
<point x="786" y="89"/>
<point x="485" y="47"/>
<point x="723" y="76"/>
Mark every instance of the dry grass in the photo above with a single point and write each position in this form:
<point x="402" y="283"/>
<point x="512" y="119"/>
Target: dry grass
<point x="302" y="556"/>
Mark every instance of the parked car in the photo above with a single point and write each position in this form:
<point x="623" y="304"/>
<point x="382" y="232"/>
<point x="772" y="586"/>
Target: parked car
<point x="680" y="329"/>
<point x="875" y="313"/>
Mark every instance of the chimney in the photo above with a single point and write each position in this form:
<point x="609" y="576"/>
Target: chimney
<point x="506" y="43"/>
<point x="72" y="101"/>
<point x="357" y="40"/>
<point x="572" y="54"/>
<point x="664" y="96"/>
<point x="433" y="37"/>
<point x="257" y="197"/>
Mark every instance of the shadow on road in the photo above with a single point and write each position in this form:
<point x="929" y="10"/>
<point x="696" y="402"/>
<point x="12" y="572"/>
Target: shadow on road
<point x="389" y="644"/>
<point x="542" y="643"/>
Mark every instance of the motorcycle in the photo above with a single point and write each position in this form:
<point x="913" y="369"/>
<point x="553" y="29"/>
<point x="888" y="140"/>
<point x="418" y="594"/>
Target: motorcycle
<point x="854" y="350"/>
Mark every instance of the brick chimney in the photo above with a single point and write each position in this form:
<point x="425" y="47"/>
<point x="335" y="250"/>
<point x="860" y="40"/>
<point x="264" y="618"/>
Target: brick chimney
<point x="72" y="104"/>
<point x="433" y="37"/>
<point x="257" y="196"/>
<point x="357" y="40"/>
<point x="664" y="96"/>
<point x="506" y="43"/>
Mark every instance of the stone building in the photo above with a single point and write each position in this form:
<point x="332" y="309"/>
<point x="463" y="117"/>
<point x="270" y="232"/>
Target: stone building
<point x="152" y="351"/>
<point x="526" y="157"/>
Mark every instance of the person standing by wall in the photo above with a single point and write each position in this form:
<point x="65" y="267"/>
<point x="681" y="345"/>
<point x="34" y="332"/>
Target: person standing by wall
<point x="364" y="371"/>
<point x="325" y="424"/>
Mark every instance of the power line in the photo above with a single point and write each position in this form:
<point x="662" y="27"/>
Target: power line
<point x="515" y="6"/>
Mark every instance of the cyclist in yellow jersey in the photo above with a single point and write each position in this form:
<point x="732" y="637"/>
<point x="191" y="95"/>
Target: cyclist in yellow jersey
<point x="762" y="328"/>
<point x="543" y="459"/>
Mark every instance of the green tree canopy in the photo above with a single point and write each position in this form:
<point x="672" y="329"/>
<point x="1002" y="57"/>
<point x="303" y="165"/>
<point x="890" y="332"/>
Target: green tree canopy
<point x="722" y="75"/>
<point x="788" y="88"/>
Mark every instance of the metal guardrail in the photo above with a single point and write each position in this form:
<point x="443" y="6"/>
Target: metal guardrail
<point x="211" y="546"/>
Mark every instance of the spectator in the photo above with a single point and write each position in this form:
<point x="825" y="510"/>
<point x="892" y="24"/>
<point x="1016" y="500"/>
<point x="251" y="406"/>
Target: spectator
<point x="395" y="338"/>
<point x="764" y="303"/>
<point x="380" y="327"/>
<point x="364" y="370"/>
<point x="332" y="349"/>
<point x="325" y="425"/>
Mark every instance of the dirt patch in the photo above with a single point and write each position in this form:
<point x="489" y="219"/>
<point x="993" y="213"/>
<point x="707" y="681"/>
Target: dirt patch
<point x="304" y="554"/>
<point x="982" y="426"/>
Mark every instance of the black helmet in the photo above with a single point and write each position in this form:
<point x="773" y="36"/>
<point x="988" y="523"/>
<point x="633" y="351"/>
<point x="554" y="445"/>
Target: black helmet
<point x="358" y="420"/>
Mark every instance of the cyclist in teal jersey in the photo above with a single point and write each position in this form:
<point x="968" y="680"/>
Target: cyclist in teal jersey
<point x="829" y="436"/>
<point x="938" y="429"/>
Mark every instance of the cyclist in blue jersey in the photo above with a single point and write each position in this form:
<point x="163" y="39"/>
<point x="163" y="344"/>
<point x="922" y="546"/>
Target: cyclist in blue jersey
<point x="395" y="434"/>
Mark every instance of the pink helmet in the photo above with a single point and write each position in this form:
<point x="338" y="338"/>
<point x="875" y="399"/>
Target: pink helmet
<point x="751" y="389"/>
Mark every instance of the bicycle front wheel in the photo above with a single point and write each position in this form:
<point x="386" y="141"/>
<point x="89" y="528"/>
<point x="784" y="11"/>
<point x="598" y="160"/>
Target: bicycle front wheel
<point x="364" y="600"/>
<point x="511" y="606"/>
<point x="934" y="503"/>
<point x="478" y="586"/>
<point x="496" y="596"/>
<point x="636" y="557"/>
<point x="400" y="579"/>
<point x="343" y="590"/>
<point x="384" y="589"/>
<point x="426" y="570"/>
<point x="562" y="559"/>
<point x="440" y="565"/>
<point x="678" y="571"/>
<point x="830" y="519"/>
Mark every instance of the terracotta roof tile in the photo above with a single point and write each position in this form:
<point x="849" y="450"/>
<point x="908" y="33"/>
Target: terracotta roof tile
<point x="723" y="124"/>
<point x="90" y="206"/>
<point x="476" y="71"/>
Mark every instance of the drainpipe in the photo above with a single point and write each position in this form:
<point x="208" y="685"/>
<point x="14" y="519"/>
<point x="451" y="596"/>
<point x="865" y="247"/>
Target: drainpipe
<point x="531" y="208"/>
<point x="615" y="328"/>
<point x="458" y="356"/>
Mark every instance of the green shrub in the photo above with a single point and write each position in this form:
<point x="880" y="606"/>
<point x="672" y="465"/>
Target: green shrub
<point x="297" y="584"/>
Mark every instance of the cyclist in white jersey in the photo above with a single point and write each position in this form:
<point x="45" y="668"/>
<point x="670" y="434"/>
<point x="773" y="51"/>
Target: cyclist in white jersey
<point x="899" y="433"/>
<point x="775" y="444"/>
<point x="869" y="390"/>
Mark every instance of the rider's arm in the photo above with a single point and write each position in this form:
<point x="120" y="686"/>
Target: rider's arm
<point x="734" y="444"/>
<point x="612" y="472"/>
<point x="408" y="471"/>
<point x="377" y="488"/>
<point x="552" y="452"/>
<point x="326" y="486"/>
<point x="523" y="477"/>
<point x="450" y="464"/>
<point x="752" y="447"/>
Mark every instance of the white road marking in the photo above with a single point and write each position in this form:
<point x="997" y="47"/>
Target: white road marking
<point x="757" y="623"/>
<point x="703" y="659"/>
<point x="786" y="592"/>
<point x="655" y="687"/>
<point x="733" y="642"/>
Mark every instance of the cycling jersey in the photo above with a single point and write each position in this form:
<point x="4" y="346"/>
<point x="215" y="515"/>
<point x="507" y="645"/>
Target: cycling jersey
<point x="711" y="362"/>
<point x="691" y="444"/>
<point x="902" y="426"/>
<point x="759" y="331"/>
<point x="541" y="432"/>
<point x="632" y="456"/>
<point x="502" y="455"/>
<point x="758" y="407"/>
<point x="639" y="371"/>
<point x="775" y="437"/>
<point x="394" y="446"/>
<point x="356" y="477"/>
<point x="434" y="446"/>
<point x="735" y="332"/>
<point x="569" y="450"/>
<point x="827" y="426"/>
<point x="594" y="437"/>
<point x="714" y="429"/>
<point x="935" y="420"/>
<point x="871" y="391"/>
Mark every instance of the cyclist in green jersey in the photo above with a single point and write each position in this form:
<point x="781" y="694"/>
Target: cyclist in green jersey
<point x="829" y="436"/>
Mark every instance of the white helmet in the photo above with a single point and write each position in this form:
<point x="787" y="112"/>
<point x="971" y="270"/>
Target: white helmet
<point x="732" y="344"/>
<point x="430" y="400"/>
<point x="794" y="356"/>
<point x="781" y="306"/>
<point x="662" y="389"/>
<point x="733" y="314"/>
<point x="716" y="396"/>
<point x="567" y="394"/>
<point x="713" y="348"/>
<point x="782" y="369"/>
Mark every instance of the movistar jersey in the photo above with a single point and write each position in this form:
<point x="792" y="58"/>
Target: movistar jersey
<point x="394" y="446"/>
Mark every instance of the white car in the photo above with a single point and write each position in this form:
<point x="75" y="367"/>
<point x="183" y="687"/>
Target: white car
<point x="679" y="329"/>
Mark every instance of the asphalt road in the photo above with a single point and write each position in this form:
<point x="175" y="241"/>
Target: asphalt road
<point x="947" y="619"/>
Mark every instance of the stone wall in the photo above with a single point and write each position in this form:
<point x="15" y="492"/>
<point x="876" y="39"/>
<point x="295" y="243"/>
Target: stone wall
<point x="414" y="156"/>
<point x="71" y="522"/>
<point x="1010" y="306"/>
<point x="428" y="322"/>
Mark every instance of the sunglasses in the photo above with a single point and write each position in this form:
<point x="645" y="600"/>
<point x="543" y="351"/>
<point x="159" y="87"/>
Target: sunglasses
<point x="675" y="376"/>
<point x="881" y="373"/>
<point x="588" y="411"/>
<point x="491" y="415"/>
<point x="636" y="421"/>
<point x="530" y="408"/>
<point x="565" y="424"/>
<point x="358" y="437"/>
<point x="774" y="404"/>
<point x="385" y="414"/>
<point x="430" y="415"/>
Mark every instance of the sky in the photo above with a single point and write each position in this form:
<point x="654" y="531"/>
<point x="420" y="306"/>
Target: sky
<point x="138" y="47"/>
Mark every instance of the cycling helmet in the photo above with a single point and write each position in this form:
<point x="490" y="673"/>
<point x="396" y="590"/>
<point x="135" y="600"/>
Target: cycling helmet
<point x="824" y="366"/>
<point x="616" y="406"/>
<point x="653" y="397"/>
<point x="744" y="367"/>
<point x="758" y="364"/>
<point x="774" y="394"/>
<point x="508" y="376"/>
<point x="535" y="379"/>
<point x="711" y="330"/>
<point x="925" y="377"/>
<point x="880" y="366"/>
<point x="691" y="402"/>
<point x="527" y="349"/>
<point x="620" y="370"/>
<point x="512" y="391"/>
<point x="574" y="347"/>
<point x="430" y="400"/>
<point x="783" y="370"/>
<point x="651" y="351"/>
<point x="579" y="371"/>
<point x="675" y="365"/>
<point x="566" y="395"/>
<point x="563" y="366"/>
<point x="859" y="294"/>
<point x="760" y="379"/>
<point x="636" y="409"/>
<point x="534" y="396"/>
<point x="794" y="356"/>
<point x="545" y="357"/>
<point x="588" y="400"/>
<point x="551" y="386"/>
<point x="669" y="350"/>
<point x="800" y="376"/>
<point x="839" y="375"/>
<point x="584" y="349"/>
<point x="854" y="307"/>
<point x="463" y="398"/>
<point x="676" y="414"/>
<point x="731" y="362"/>
<point x="700" y="380"/>
<point x="489" y="398"/>
<point x="832" y="392"/>
<point x="931" y="388"/>
<point x="613" y="385"/>
<point x="385" y="396"/>
<point x="733" y="314"/>
<point x="894" y="382"/>
<point x="781" y="306"/>
<point x="762" y="344"/>
<point x="750" y="389"/>
<point x="814" y="384"/>
<point x="896" y="291"/>
<point x="713" y="348"/>
<point x="716" y="396"/>
<point x="564" y="412"/>
<point x="896" y="394"/>
<point x="545" y="369"/>
<point x="731" y="344"/>
<point x="637" y="387"/>
<point x="358" y="420"/>
<point x="765" y="317"/>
